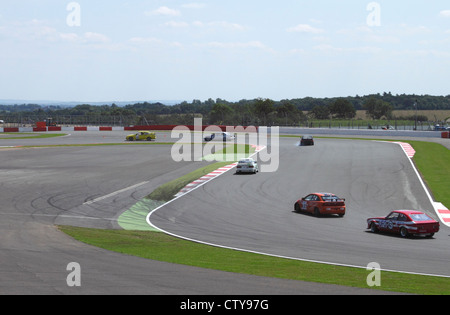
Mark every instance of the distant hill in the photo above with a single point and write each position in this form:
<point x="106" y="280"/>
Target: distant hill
<point x="44" y="103"/>
<point x="166" y="107"/>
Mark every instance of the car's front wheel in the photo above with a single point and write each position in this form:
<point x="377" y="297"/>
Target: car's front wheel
<point x="373" y="228"/>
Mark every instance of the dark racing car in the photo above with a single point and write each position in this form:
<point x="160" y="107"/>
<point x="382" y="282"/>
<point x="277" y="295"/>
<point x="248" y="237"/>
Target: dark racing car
<point x="405" y="222"/>
<point x="306" y="140"/>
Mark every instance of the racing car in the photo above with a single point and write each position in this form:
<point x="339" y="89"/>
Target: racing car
<point x="405" y="222"/>
<point x="321" y="204"/>
<point x="141" y="136"/>
<point x="306" y="140"/>
<point x="225" y="136"/>
<point x="247" y="166"/>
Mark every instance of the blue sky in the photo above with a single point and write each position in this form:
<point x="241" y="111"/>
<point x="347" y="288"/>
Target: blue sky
<point x="142" y="50"/>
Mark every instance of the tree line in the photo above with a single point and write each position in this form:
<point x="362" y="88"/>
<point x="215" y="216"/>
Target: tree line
<point x="260" y="111"/>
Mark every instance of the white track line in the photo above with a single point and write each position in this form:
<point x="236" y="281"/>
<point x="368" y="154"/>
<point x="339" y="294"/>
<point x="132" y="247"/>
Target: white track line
<point x="441" y="211"/>
<point x="113" y="194"/>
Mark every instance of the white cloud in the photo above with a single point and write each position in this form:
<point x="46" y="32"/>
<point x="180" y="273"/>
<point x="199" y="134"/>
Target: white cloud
<point x="137" y="42"/>
<point x="86" y="38"/>
<point x="70" y="37"/>
<point x="95" y="37"/>
<point x="223" y="24"/>
<point x="38" y="30"/>
<point x="176" y="44"/>
<point x="297" y="51"/>
<point x="305" y="28"/>
<point x="163" y="11"/>
<point x="445" y="13"/>
<point x="198" y="23"/>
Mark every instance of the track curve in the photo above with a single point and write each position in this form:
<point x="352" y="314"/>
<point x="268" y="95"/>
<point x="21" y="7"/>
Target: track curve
<point x="41" y="187"/>
<point x="254" y="212"/>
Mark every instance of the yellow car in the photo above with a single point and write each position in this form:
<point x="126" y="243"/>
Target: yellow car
<point x="142" y="136"/>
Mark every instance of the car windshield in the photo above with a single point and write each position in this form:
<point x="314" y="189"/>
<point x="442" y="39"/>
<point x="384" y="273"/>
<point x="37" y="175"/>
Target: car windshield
<point x="420" y="217"/>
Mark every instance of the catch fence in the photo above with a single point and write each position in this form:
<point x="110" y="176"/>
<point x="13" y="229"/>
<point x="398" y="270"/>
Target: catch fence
<point x="14" y="121"/>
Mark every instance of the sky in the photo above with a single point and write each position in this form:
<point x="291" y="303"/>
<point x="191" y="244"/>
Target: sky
<point x="144" y="50"/>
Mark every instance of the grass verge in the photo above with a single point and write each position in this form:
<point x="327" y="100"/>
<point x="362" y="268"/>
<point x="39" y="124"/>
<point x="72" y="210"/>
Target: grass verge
<point x="32" y="135"/>
<point x="431" y="160"/>
<point x="167" y="191"/>
<point x="162" y="247"/>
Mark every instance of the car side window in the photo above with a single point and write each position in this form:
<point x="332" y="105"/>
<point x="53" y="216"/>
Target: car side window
<point x="393" y="216"/>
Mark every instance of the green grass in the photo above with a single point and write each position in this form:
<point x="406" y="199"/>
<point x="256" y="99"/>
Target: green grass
<point x="135" y="217"/>
<point x="167" y="191"/>
<point x="162" y="247"/>
<point x="432" y="161"/>
<point x="233" y="152"/>
<point x="32" y="135"/>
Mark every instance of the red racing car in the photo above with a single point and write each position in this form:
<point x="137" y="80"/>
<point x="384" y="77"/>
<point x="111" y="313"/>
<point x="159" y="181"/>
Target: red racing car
<point x="405" y="223"/>
<point x="320" y="204"/>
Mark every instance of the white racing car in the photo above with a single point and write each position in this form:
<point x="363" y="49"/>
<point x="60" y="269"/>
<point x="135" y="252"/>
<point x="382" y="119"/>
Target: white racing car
<point x="247" y="165"/>
<point x="224" y="136"/>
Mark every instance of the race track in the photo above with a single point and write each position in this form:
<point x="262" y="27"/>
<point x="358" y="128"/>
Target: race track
<point x="92" y="186"/>
<point x="255" y="212"/>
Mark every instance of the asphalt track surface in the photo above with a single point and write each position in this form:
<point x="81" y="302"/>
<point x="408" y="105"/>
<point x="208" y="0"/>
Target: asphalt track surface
<point x="255" y="212"/>
<point x="41" y="187"/>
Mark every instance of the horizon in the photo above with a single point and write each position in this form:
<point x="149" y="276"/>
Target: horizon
<point x="7" y="102"/>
